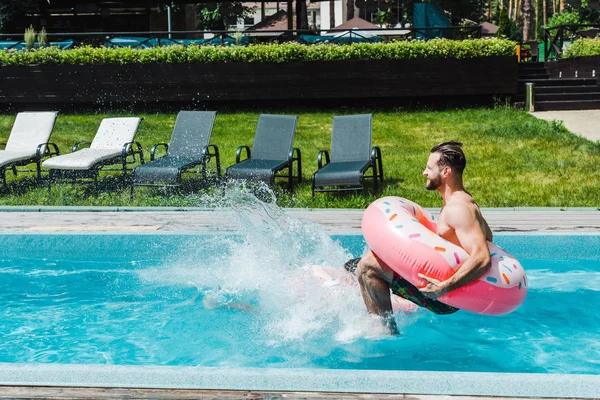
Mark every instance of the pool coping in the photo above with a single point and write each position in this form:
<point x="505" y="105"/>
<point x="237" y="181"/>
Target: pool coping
<point x="225" y="219"/>
<point x="303" y="380"/>
<point x="4" y="208"/>
<point x="233" y="233"/>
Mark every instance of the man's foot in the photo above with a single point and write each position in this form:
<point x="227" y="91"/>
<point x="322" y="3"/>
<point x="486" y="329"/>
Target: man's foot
<point x="351" y="265"/>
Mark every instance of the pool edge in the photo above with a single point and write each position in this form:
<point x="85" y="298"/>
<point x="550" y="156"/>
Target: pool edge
<point x="302" y="379"/>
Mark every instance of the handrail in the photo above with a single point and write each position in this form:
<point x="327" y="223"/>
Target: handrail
<point x="556" y="41"/>
<point x="287" y="34"/>
<point x="166" y="33"/>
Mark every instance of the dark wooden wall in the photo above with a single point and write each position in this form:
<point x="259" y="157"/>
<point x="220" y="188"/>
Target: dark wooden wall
<point x="105" y="85"/>
<point x="579" y="67"/>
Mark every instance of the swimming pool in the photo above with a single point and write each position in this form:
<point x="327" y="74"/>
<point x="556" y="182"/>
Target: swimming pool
<point x="206" y="302"/>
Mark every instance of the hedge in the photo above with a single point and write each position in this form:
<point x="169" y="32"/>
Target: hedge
<point x="272" y="53"/>
<point x="583" y="47"/>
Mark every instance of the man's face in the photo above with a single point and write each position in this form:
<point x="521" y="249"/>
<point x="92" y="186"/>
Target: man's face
<point x="433" y="172"/>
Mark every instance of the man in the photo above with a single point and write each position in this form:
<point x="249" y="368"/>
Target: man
<point x="460" y="222"/>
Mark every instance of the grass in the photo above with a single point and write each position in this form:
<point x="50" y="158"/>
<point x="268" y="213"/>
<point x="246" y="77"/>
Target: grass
<point x="513" y="159"/>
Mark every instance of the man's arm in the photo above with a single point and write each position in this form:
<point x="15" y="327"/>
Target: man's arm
<point x="468" y="231"/>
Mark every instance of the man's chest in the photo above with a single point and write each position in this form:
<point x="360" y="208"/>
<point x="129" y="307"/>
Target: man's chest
<point x="446" y="232"/>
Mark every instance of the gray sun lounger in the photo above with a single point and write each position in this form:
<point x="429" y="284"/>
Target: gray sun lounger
<point x="271" y="152"/>
<point x="351" y="157"/>
<point x="189" y="147"/>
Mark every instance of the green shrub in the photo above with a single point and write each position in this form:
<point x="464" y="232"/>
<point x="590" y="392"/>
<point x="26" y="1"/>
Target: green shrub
<point x="271" y="53"/>
<point x="29" y="37"/>
<point x="42" y="38"/>
<point x="583" y="47"/>
<point x="565" y="18"/>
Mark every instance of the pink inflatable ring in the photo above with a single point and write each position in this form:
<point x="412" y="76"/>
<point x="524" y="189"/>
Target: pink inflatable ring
<point x="402" y="234"/>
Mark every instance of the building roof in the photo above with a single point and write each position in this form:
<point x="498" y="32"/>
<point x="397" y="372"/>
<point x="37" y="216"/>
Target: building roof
<point x="275" y="22"/>
<point x="487" y="28"/>
<point x="357" y="22"/>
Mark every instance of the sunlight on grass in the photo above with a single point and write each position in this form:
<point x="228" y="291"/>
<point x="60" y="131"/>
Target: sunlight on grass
<point x="513" y="159"/>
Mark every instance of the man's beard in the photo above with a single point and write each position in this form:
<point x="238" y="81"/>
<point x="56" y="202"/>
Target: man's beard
<point x="433" y="184"/>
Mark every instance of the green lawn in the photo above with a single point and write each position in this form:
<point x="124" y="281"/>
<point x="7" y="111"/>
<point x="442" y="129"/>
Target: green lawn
<point x="513" y="159"/>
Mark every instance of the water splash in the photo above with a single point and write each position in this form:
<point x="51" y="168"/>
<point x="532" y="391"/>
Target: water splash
<point x="266" y="269"/>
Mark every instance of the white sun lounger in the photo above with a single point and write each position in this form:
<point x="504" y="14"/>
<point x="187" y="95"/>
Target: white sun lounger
<point x="112" y="144"/>
<point x="28" y="142"/>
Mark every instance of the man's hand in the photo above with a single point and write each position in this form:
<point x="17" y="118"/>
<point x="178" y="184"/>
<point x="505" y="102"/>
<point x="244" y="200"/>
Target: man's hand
<point x="434" y="288"/>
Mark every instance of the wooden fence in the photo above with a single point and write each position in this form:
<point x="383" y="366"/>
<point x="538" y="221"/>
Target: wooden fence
<point x="577" y="67"/>
<point x="106" y="85"/>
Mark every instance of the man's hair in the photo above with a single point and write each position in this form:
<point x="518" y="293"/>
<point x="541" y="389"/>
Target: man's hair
<point x="451" y="154"/>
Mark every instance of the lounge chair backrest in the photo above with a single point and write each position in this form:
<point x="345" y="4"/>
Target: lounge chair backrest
<point x="351" y="138"/>
<point x="274" y="137"/>
<point x="191" y="133"/>
<point x="114" y="132"/>
<point x="29" y="130"/>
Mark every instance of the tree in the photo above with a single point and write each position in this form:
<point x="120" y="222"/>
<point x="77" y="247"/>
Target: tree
<point x="460" y="9"/>
<point x="220" y="16"/>
<point x="349" y="9"/>
<point x="507" y="27"/>
<point x="331" y="13"/>
<point x="589" y="15"/>
<point x="527" y="19"/>
<point x="387" y="12"/>
<point x="13" y="14"/>
<point x="301" y="15"/>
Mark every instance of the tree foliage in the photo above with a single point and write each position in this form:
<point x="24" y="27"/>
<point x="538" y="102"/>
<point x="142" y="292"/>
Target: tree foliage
<point x="571" y="16"/>
<point x="222" y="15"/>
<point x="13" y="14"/>
<point x="461" y="9"/>
<point x="508" y="28"/>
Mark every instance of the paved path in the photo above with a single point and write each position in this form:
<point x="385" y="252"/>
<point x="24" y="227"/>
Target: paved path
<point x="500" y="220"/>
<point x="78" y="393"/>
<point x="584" y="123"/>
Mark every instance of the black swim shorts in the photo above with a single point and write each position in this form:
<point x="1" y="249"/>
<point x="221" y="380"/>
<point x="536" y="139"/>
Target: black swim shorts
<point x="403" y="288"/>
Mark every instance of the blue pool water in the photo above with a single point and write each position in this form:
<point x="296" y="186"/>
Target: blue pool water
<point x="251" y="301"/>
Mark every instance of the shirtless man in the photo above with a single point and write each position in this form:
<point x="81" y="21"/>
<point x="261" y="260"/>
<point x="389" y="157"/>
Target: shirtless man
<point x="460" y="222"/>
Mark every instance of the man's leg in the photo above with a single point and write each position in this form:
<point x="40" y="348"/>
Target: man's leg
<point x="375" y="279"/>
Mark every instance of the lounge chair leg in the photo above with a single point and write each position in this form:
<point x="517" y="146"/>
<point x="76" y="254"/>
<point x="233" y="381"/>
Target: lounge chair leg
<point x="49" y="180"/>
<point x="3" y="178"/>
<point x="375" y="178"/>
